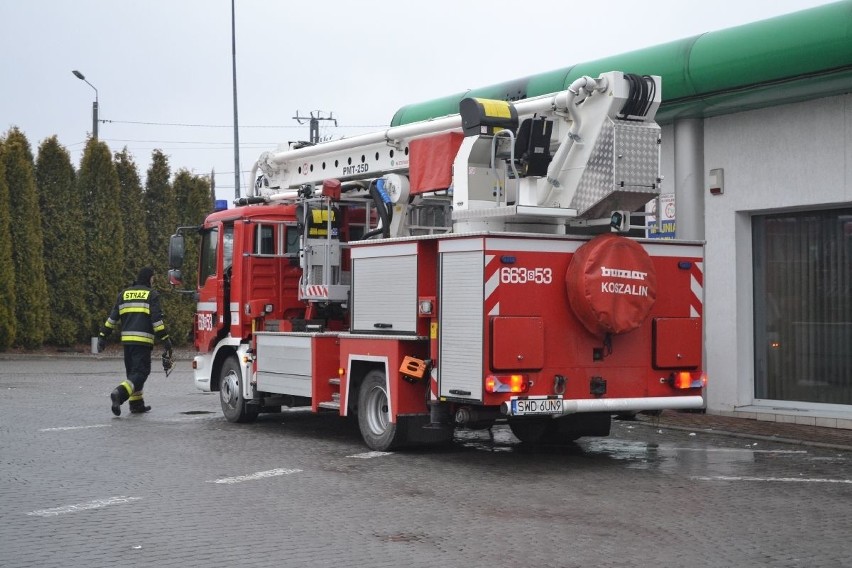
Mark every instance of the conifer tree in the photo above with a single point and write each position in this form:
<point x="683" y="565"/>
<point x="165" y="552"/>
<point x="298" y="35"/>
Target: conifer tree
<point x="31" y="306"/>
<point x="199" y="203"/>
<point x="192" y="195"/>
<point x="136" y="252"/>
<point x="162" y="220"/>
<point x="160" y="209"/>
<point x="212" y="187"/>
<point x="64" y="253"/>
<point x="8" y="325"/>
<point x="97" y="182"/>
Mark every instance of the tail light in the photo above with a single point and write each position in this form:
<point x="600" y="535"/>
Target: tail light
<point x="507" y="383"/>
<point x="688" y="380"/>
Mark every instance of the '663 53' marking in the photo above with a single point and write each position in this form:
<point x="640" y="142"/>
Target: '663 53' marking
<point x="205" y="322"/>
<point x="521" y="275"/>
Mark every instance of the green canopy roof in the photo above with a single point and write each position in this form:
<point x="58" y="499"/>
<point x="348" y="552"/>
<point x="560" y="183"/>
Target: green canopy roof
<point x="790" y="58"/>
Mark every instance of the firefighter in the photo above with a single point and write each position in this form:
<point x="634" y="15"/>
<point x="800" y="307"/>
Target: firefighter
<point x="138" y="309"/>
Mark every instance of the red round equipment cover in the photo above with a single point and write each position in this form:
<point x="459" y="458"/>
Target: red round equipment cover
<point x="612" y="284"/>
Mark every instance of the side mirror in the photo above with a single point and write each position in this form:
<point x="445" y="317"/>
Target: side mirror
<point x="177" y="250"/>
<point x="175" y="277"/>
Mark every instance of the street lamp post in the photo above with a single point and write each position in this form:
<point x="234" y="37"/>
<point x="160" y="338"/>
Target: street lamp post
<point x="94" y="104"/>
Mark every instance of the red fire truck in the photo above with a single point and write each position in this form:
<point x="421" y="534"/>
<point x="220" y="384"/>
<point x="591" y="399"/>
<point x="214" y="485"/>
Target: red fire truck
<point x="456" y="272"/>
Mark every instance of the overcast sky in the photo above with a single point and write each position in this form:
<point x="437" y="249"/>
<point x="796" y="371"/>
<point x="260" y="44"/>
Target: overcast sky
<point x="168" y="62"/>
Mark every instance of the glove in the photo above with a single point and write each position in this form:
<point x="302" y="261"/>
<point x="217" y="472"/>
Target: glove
<point x="101" y="343"/>
<point x="168" y="362"/>
<point x="167" y="343"/>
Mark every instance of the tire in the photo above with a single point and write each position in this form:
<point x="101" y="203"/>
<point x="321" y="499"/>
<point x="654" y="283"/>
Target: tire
<point x="589" y="424"/>
<point x="562" y="430"/>
<point x="234" y="406"/>
<point x="532" y="430"/>
<point x="378" y="432"/>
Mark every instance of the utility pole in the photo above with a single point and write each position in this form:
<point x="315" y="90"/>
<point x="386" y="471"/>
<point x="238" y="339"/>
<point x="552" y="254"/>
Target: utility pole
<point x="236" y="122"/>
<point x="314" y="123"/>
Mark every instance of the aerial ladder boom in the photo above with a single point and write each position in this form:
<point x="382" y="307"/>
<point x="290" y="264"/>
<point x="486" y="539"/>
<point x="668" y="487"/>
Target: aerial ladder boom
<point x="592" y="121"/>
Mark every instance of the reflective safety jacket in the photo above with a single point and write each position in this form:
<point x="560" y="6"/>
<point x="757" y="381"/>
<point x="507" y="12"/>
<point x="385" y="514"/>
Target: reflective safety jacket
<point x="141" y="317"/>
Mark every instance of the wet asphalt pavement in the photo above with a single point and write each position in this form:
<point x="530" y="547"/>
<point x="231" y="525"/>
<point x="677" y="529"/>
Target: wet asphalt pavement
<point x="180" y="486"/>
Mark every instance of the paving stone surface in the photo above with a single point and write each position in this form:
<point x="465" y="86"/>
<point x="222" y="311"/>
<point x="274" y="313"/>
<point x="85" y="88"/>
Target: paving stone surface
<point x="180" y="486"/>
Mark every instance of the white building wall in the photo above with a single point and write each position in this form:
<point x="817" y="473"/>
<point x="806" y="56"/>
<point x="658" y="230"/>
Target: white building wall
<point x="797" y="156"/>
<point x="667" y="158"/>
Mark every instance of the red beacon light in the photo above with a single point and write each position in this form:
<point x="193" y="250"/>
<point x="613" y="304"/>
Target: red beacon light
<point x="507" y="383"/>
<point x="331" y="188"/>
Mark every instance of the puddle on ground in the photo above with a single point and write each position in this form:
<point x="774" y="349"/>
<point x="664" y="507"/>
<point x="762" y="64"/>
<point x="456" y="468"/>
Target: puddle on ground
<point x="488" y="440"/>
<point x="671" y="457"/>
<point x="686" y="457"/>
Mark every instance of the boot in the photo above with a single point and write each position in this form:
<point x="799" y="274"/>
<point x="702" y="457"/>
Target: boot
<point x="137" y="403"/>
<point x="119" y="394"/>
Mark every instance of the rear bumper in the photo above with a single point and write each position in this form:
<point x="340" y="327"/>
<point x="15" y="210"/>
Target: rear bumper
<point x="623" y="404"/>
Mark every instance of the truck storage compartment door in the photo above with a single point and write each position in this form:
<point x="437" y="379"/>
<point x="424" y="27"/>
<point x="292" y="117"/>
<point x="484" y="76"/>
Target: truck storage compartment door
<point x="384" y="289"/>
<point x="517" y="343"/>
<point x="677" y="343"/>
<point x="284" y="363"/>
<point x="460" y="327"/>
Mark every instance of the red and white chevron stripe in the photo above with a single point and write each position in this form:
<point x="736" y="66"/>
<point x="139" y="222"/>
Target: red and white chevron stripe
<point x="314" y="291"/>
<point x="492" y="285"/>
<point x="696" y="288"/>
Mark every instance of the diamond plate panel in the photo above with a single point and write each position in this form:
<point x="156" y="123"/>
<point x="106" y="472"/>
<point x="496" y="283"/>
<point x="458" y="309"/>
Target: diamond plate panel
<point x="596" y="181"/>
<point x="637" y="143"/>
<point x="625" y="160"/>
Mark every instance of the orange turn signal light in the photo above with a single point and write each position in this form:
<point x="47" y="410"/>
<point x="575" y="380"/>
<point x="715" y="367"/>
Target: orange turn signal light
<point x="507" y="383"/>
<point x="687" y="380"/>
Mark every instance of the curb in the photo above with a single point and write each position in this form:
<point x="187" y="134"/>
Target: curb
<point x="745" y="435"/>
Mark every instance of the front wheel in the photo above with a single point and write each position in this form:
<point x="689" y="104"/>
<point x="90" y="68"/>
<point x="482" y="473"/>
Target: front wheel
<point x="234" y="406"/>
<point x="374" y="419"/>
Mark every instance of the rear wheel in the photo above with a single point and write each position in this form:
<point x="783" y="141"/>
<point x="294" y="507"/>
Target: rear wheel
<point x="378" y="431"/>
<point x="586" y="424"/>
<point x="234" y="406"/>
<point x="532" y="430"/>
<point x="562" y="430"/>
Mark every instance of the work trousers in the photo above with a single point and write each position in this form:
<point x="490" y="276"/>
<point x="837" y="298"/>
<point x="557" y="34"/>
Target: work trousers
<point x="137" y="363"/>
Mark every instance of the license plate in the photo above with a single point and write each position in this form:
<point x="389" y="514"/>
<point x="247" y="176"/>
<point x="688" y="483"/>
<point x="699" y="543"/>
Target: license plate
<point x="533" y="405"/>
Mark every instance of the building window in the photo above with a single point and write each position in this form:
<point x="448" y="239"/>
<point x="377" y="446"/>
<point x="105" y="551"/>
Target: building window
<point x="803" y="306"/>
